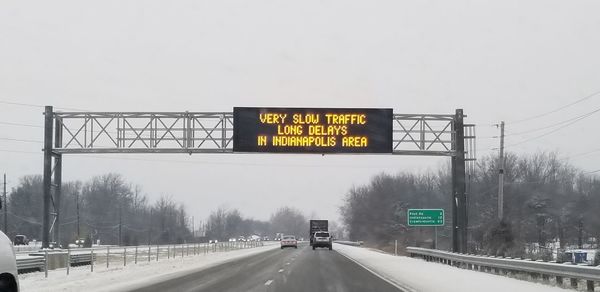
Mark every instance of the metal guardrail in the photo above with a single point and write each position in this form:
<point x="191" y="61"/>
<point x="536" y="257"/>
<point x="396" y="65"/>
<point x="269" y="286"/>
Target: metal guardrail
<point x="30" y="263"/>
<point x="36" y="260"/>
<point x="535" y="269"/>
<point x="81" y="259"/>
<point x="351" y="243"/>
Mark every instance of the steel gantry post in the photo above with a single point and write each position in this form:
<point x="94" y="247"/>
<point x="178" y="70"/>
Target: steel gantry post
<point x="459" y="197"/>
<point x="57" y="184"/>
<point x="47" y="182"/>
<point x="52" y="180"/>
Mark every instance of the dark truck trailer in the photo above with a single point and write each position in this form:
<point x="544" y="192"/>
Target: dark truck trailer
<point x="317" y="225"/>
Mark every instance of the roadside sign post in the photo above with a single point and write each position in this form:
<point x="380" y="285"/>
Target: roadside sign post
<point x="426" y="217"/>
<point x="435" y="237"/>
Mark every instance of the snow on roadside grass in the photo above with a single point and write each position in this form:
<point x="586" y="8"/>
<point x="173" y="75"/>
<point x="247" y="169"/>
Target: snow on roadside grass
<point x="121" y="278"/>
<point x="424" y="276"/>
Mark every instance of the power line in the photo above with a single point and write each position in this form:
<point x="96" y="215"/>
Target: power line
<point x="555" y="130"/>
<point x="36" y="126"/>
<point x="21" y="104"/>
<point x="557" y="109"/>
<point x="134" y="229"/>
<point x="583" y="153"/>
<point x="21" y="140"/>
<point x="39" y="106"/>
<point x="593" y="171"/>
<point x="28" y="220"/>
<point x="68" y="223"/>
<point x="19" y="151"/>
<point x="552" y="125"/>
<point x="20" y="124"/>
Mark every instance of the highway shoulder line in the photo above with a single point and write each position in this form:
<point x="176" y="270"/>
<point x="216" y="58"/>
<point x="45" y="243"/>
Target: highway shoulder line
<point x="400" y="286"/>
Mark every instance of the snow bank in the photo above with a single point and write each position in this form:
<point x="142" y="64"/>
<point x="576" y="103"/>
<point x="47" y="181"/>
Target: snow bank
<point x="419" y="275"/>
<point x="125" y="278"/>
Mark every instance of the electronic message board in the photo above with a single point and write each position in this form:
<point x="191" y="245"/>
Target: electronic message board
<point x="312" y="130"/>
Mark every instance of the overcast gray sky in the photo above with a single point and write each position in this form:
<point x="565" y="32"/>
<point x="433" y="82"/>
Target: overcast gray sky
<point x="498" y="60"/>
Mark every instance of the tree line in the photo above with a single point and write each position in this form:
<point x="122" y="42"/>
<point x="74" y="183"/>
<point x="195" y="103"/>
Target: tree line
<point x="105" y="208"/>
<point x="110" y="210"/>
<point x="224" y="224"/>
<point x="547" y="202"/>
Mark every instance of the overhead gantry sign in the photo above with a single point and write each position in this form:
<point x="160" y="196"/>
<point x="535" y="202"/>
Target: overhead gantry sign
<point x="257" y="130"/>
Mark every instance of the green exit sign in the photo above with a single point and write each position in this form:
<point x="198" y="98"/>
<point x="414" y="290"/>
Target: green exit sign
<point x="425" y="217"/>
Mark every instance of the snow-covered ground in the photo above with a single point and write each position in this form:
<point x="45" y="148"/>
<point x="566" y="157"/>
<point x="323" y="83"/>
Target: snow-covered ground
<point x="419" y="275"/>
<point x="119" y="278"/>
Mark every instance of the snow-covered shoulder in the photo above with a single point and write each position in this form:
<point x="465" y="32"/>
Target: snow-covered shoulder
<point x="419" y="275"/>
<point x="132" y="276"/>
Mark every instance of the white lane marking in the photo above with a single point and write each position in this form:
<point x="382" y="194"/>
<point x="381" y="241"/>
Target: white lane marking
<point x="401" y="286"/>
<point x="267" y="283"/>
<point x="281" y="270"/>
<point x="287" y="264"/>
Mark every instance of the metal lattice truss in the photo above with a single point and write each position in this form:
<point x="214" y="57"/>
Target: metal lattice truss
<point x="470" y="148"/>
<point x="196" y="132"/>
<point x="176" y="132"/>
<point x="423" y="134"/>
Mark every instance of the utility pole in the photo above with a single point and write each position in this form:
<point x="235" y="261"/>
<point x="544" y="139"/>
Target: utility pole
<point x="193" y="230"/>
<point x="150" y="227"/>
<point x="78" y="226"/>
<point x="5" y="207"/>
<point x="501" y="175"/>
<point x="580" y="232"/>
<point x="120" y="224"/>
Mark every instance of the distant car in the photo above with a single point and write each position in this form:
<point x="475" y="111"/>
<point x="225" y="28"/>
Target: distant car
<point x="289" y="241"/>
<point x="322" y="239"/>
<point x="278" y="236"/>
<point x="213" y="241"/>
<point x="80" y="242"/>
<point x="9" y="281"/>
<point x="21" y="240"/>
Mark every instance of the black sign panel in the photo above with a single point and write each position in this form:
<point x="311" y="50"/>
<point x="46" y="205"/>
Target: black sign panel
<point x="312" y="130"/>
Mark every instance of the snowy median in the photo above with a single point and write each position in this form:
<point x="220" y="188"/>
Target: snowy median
<point x="419" y="275"/>
<point x="123" y="278"/>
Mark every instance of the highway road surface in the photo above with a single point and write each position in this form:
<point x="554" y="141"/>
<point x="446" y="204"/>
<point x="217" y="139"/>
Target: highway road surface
<point x="288" y="270"/>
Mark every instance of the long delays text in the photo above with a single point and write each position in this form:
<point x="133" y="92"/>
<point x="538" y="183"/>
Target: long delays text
<point x="310" y="130"/>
